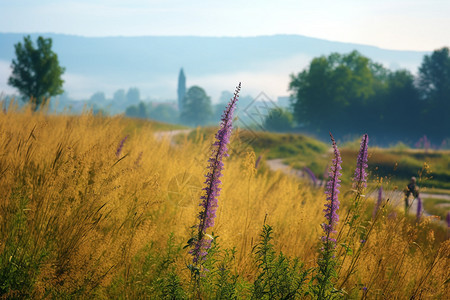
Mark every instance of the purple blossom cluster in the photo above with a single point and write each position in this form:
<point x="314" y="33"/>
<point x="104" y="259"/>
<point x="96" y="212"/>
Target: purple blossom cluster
<point x="257" y="162"/>
<point x="332" y="192"/>
<point x="419" y="208"/>
<point x="360" y="177"/>
<point x="380" y="199"/>
<point x="212" y="190"/>
<point x="120" y="146"/>
<point x="137" y="162"/>
<point x="311" y="175"/>
<point x="424" y="143"/>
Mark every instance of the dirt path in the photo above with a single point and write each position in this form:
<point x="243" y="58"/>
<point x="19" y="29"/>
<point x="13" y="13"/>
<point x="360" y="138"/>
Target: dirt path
<point x="395" y="197"/>
<point x="169" y="135"/>
<point x="278" y="165"/>
<point x="436" y="196"/>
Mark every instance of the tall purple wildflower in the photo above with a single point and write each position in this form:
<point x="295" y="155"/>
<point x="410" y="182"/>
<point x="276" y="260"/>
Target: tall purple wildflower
<point x="332" y="192"/>
<point x="448" y="219"/>
<point x="378" y="204"/>
<point x="212" y="190"/>
<point x="137" y="162"/>
<point x="419" y="208"/>
<point x="360" y="177"/>
<point x="311" y="175"/>
<point x="120" y="146"/>
<point x="257" y="162"/>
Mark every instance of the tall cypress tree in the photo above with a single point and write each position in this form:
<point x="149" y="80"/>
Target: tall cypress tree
<point x="181" y="89"/>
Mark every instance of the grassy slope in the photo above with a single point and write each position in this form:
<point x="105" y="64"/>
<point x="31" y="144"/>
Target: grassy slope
<point x="437" y="207"/>
<point x="396" y="165"/>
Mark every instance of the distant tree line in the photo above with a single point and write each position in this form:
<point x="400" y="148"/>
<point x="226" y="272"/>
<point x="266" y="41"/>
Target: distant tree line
<point x="163" y="112"/>
<point x="349" y="94"/>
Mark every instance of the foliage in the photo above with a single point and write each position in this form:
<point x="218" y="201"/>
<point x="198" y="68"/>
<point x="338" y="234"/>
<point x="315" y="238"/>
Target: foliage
<point x="98" y="98"/>
<point x="436" y="206"/>
<point x="278" y="276"/>
<point x="329" y="87"/>
<point x="164" y="113"/>
<point x="22" y="256"/>
<point x="181" y="91"/>
<point x="351" y="94"/>
<point x="36" y="72"/>
<point x="278" y="120"/>
<point x="434" y="84"/>
<point x="152" y="272"/>
<point x="197" y="108"/>
<point x="161" y="112"/>
<point x="133" y="96"/>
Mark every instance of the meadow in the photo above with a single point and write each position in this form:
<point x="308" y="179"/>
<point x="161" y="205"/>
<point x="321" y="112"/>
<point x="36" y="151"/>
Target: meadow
<point x="97" y="207"/>
<point x="394" y="165"/>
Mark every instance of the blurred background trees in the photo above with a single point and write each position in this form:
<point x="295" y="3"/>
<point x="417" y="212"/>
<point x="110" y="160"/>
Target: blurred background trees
<point x="434" y="88"/>
<point x="350" y="94"/>
<point x="197" y="109"/>
<point x="279" y="120"/>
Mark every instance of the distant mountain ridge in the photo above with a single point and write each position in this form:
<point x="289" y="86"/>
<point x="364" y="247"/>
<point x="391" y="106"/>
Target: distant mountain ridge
<point x="151" y="63"/>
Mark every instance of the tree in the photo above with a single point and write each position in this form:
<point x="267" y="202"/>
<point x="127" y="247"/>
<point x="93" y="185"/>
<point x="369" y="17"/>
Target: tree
<point x="163" y="112"/>
<point x="133" y="96"/>
<point x="279" y="120"/>
<point x="137" y="111"/>
<point x="36" y="72"/>
<point x="197" y="107"/>
<point x="332" y="92"/>
<point x="225" y="96"/>
<point x="434" y="76"/>
<point x="181" y="89"/>
<point x="397" y="106"/>
<point x="119" y="96"/>
<point x="98" y="98"/>
<point x="434" y="86"/>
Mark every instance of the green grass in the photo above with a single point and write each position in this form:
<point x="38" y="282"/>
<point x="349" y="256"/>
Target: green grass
<point x="434" y="206"/>
<point x="297" y="150"/>
<point x="279" y="145"/>
<point x="396" y="164"/>
<point x="437" y="191"/>
<point x="432" y="169"/>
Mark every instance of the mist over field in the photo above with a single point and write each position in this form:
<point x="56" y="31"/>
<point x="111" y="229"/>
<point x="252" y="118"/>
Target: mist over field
<point x="151" y="63"/>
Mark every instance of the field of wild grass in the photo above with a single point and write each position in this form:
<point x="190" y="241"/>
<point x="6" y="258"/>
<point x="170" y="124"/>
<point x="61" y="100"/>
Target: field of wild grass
<point x="97" y="207"/>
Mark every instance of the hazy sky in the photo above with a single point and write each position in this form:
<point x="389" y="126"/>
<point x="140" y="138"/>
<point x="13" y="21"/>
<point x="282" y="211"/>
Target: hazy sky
<point x="390" y="24"/>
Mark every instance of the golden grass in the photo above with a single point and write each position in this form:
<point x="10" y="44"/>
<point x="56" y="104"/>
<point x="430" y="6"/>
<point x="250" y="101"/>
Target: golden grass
<point x="81" y="214"/>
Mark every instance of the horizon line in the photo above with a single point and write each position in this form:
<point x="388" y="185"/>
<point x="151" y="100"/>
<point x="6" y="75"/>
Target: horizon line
<point x="222" y="36"/>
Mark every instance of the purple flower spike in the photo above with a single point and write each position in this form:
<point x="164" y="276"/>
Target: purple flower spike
<point x="380" y="199"/>
<point x="119" y="148"/>
<point x="332" y="192"/>
<point x="137" y="163"/>
<point x="419" y="208"/>
<point x="360" y="177"/>
<point x="448" y="219"/>
<point x="257" y="162"/>
<point x="212" y="191"/>
<point x="311" y="175"/>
